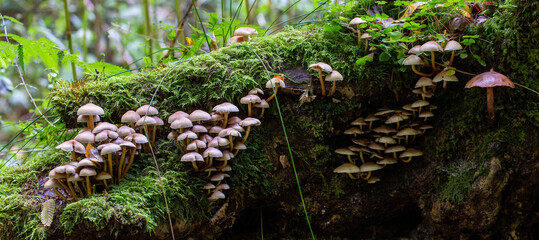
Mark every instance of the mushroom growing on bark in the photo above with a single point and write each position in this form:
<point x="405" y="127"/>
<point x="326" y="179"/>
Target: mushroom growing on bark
<point x="333" y="76"/>
<point x="452" y="46"/>
<point x="490" y="80"/>
<point x="348" y="168"/>
<point x="321" y="67"/>
<point x="274" y="83"/>
<point x="431" y="46"/>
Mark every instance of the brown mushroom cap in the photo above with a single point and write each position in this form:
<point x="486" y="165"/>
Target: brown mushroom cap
<point x="490" y="79"/>
<point x="369" y="167"/>
<point x="431" y="46"/>
<point x="346" y="168"/>
<point x="442" y="76"/>
<point x="226" y="107"/>
<point x="104" y="126"/>
<point x="87" y="172"/>
<point x="424" y="82"/>
<point x="321" y="66"/>
<point x="386" y="160"/>
<point x="103" y="176"/>
<point x="250" y="99"/>
<point x="386" y="140"/>
<point x="72" y="145"/>
<point x="235" y="39"/>
<point x="345" y="151"/>
<point x="333" y="76"/>
<point x="412" y="60"/>
<point x="130" y="117"/>
<point x="411" y="152"/>
<point x="408" y="132"/>
<point x="124" y="131"/>
<point x="452" y="46"/>
<point x="393" y="149"/>
<point x="415" y="49"/>
<point x="361" y="141"/>
<point x="245" y="32"/>
<point x="192" y="157"/>
<point x="176" y="115"/>
<point x="256" y="91"/>
<point x="420" y="103"/>
<point x="110" y="148"/>
<point x="262" y="104"/>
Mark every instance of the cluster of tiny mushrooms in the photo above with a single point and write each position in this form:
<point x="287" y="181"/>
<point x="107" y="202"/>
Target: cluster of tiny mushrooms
<point x="206" y="138"/>
<point x="102" y="154"/>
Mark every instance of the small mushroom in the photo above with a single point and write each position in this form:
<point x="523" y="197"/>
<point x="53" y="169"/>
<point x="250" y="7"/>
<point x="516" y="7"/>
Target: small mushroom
<point x="357" y="21"/>
<point x="53" y="183"/>
<point x="90" y="110"/>
<point x="346" y="151"/>
<point x="249" y="122"/>
<point x="452" y="46"/>
<point x="130" y="117"/>
<point x="250" y="100"/>
<point x="445" y="77"/>
<point x="423" y="83"/>
<point x="431" y="46"/>
<point x="192" y="157"/>
<point x="333" y="76"/>
<point x="275" y="84"/>
<point x="348" y="168"/>
<point x="87" y="173"/>
<point x="263" y="105"/>
<point x="321" y="67"/>
<point x="225" y="108"/>
<point x="490" y="80"/>
<point x="235" y="39"/>
<point x="413" y="61"/>
<point x="368" y="167"/>
<point x="245" y="32"/>
<point x="407" y="155"/>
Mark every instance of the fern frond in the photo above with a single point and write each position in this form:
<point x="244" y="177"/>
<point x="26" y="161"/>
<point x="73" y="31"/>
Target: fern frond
<point x="47" y="212"/>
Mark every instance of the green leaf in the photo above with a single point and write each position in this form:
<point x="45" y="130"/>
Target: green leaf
<point x="483" y="63"/>
<point x="13" y="20"/>
<point x="394" y="36"/>
<point x="384" y="56"/>
<point x="463" y="55"/>
<point x="450" y="72"/>
<point x="20" y="54"/>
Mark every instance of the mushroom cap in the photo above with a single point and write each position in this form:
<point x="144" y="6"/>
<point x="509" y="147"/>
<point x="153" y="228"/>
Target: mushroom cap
<point x="158" y="121"/>
<point x="376" y="146"/>
<point x="420" y="103"/>
<point x="424" y="82"/>
<point x="490" y="79"/>
<point x="357" y="20"/>
<point x="395" y="118"/>
<point x="212" y="152"/>
<point x="365" y="35"/>
<point x="396" y="148"/>
<point x="199" y="115"/>
<point x="321" y="66"/>
<point x="137" y="138"/>
<point x="373" y="179"/>
<point x="452" y="46"/>
<point x="87" y="172"/>
<point x="217" y="177"/>
<point x="411" y="152"/>
<point x="234" y="120"/>
<point x="229" y="132"/>
<point x="415" y="49"/>
<point x="262" y="104"/>
<point x="274" y="81"/>
<point x="333" y="76"/>
<point x="386" y="160"/>
<point x="361" y="141"/>
<point x="250" y="99"/>
<point x="431" y="46"/>
<point x="426" y="126"/>
<point x="90" y="109"/>
<point x="72" y="145"/>
<point x="385" y="129"/>
<point x="130" y="117"/>
<point x="123" y="131"/>
<point x="86" y="118"/>
<point x="181" y="122"/>
<point x="172" y="135"/>
<point x="86" y="163"/>
<point x="209" y="186"/>
<point x="226" y="107"/>
<point x="104" y="126"/>
<point x="147" y="108"/>
<point x="386" y="140"/>
<point x="192" y="157"/>
<point x="345" y="151"/>
<point x="216" y="195"/>
<point x="222" y="186"/>
<point x="408" y="107"/>
<point x="369" y="167"/>
<point x="205" y="138"/>
<point x="105" y="135"/>
<point x="110" y="148"/>
<point x="346" y="168"/>
<point x="235" y="39"/>
<point x="426" y="114"/>
<point x="353" y="130"/>
<point x="217" y="142"/>
<point x="103" y="176"/>
<point x="408" y="132"/>
<point x="195" y="144"/>
<point x="239" y="146"/>
<point x="245" y="32"/>
<point x="215" y="129"/>
<point x="227" y="168"/>
<point x="256" y="91"/>
<point x="54" y="174"/>
<point x="237" y="127"/>
<point x="371" y="118"/>
<point x="384" y="111"/>
<point x="187" y="134"/>
<point x="52" y="183"/>
<point x="127" y="144"/>
<point x="442" y="76"/>
<point x="199" y="129"/>
<point x="145" y="120"/>
<point x="74" y="178"/>
<point x="412" y="60"/>
<point x="85" y="137"/>
<point x="227" y="155"/>
<point x="177" y="115"/>
<point x="250" y="122"/>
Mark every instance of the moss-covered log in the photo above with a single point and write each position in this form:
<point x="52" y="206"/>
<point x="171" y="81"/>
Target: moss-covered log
<point x="471" y="182"/>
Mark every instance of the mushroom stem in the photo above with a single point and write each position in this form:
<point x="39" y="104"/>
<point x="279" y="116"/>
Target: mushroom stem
<point x="406" y="141"/>
<point x="121" y="164"/>
<point x="88" y="189"/>
<point x="246" y="135"/>
<point x="407" y="160"/>
<point x="131" y="160"/>
<point x="222" y="165"/>
<point x="73" y="156"/>
<point x="105" y="183"/>
<point x="395" y="155"/>
<point x="361" y="157"/>
<point x="195" y="166"/>
<point x="366" y="44"/>
<point x="249" y="110"/>
<point x="72" y="191"/>
<point x="352" y="176"/>
<point x="154" y="130"/>
<point x="79" y="189"/>
<point x="91" y="122"/>
<point x="358" y="37"/>
<point x="60" y="194"/>
<point x="420" y="73"/>
<point x="111" y="172"/>
<point x="261" y="114"/>
<point x="332" y="89"/>
<point x="490" y="106"/>
<point x="321" y="82"/>
<point x="225" y="121"/>
<point x="433" y="61"/>
<point x="273" y="95"/>
<point x="367" y="177"/>
<point x="451" y="60"/>
<point x="350" y="159"/>
<point x="180" y="146"/>
<point x="133" y="125"/>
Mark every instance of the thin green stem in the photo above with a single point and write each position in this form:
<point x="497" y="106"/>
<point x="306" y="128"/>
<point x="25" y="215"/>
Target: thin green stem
<point x="148" y="27"/>
<point x="288" y="145"/>
<point x="275" y="20"/>
<point x="229" y="30"/>
<point x="202" y="25"/>
<point x="69" y="41"/>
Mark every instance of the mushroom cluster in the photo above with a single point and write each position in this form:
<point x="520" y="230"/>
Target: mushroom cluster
<point x="332" y="76"/>
<point x="384" y="137"/>
<point x="209" y="141"/>
<point x="442" y="75"/>
<point x="100" y="155"/>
